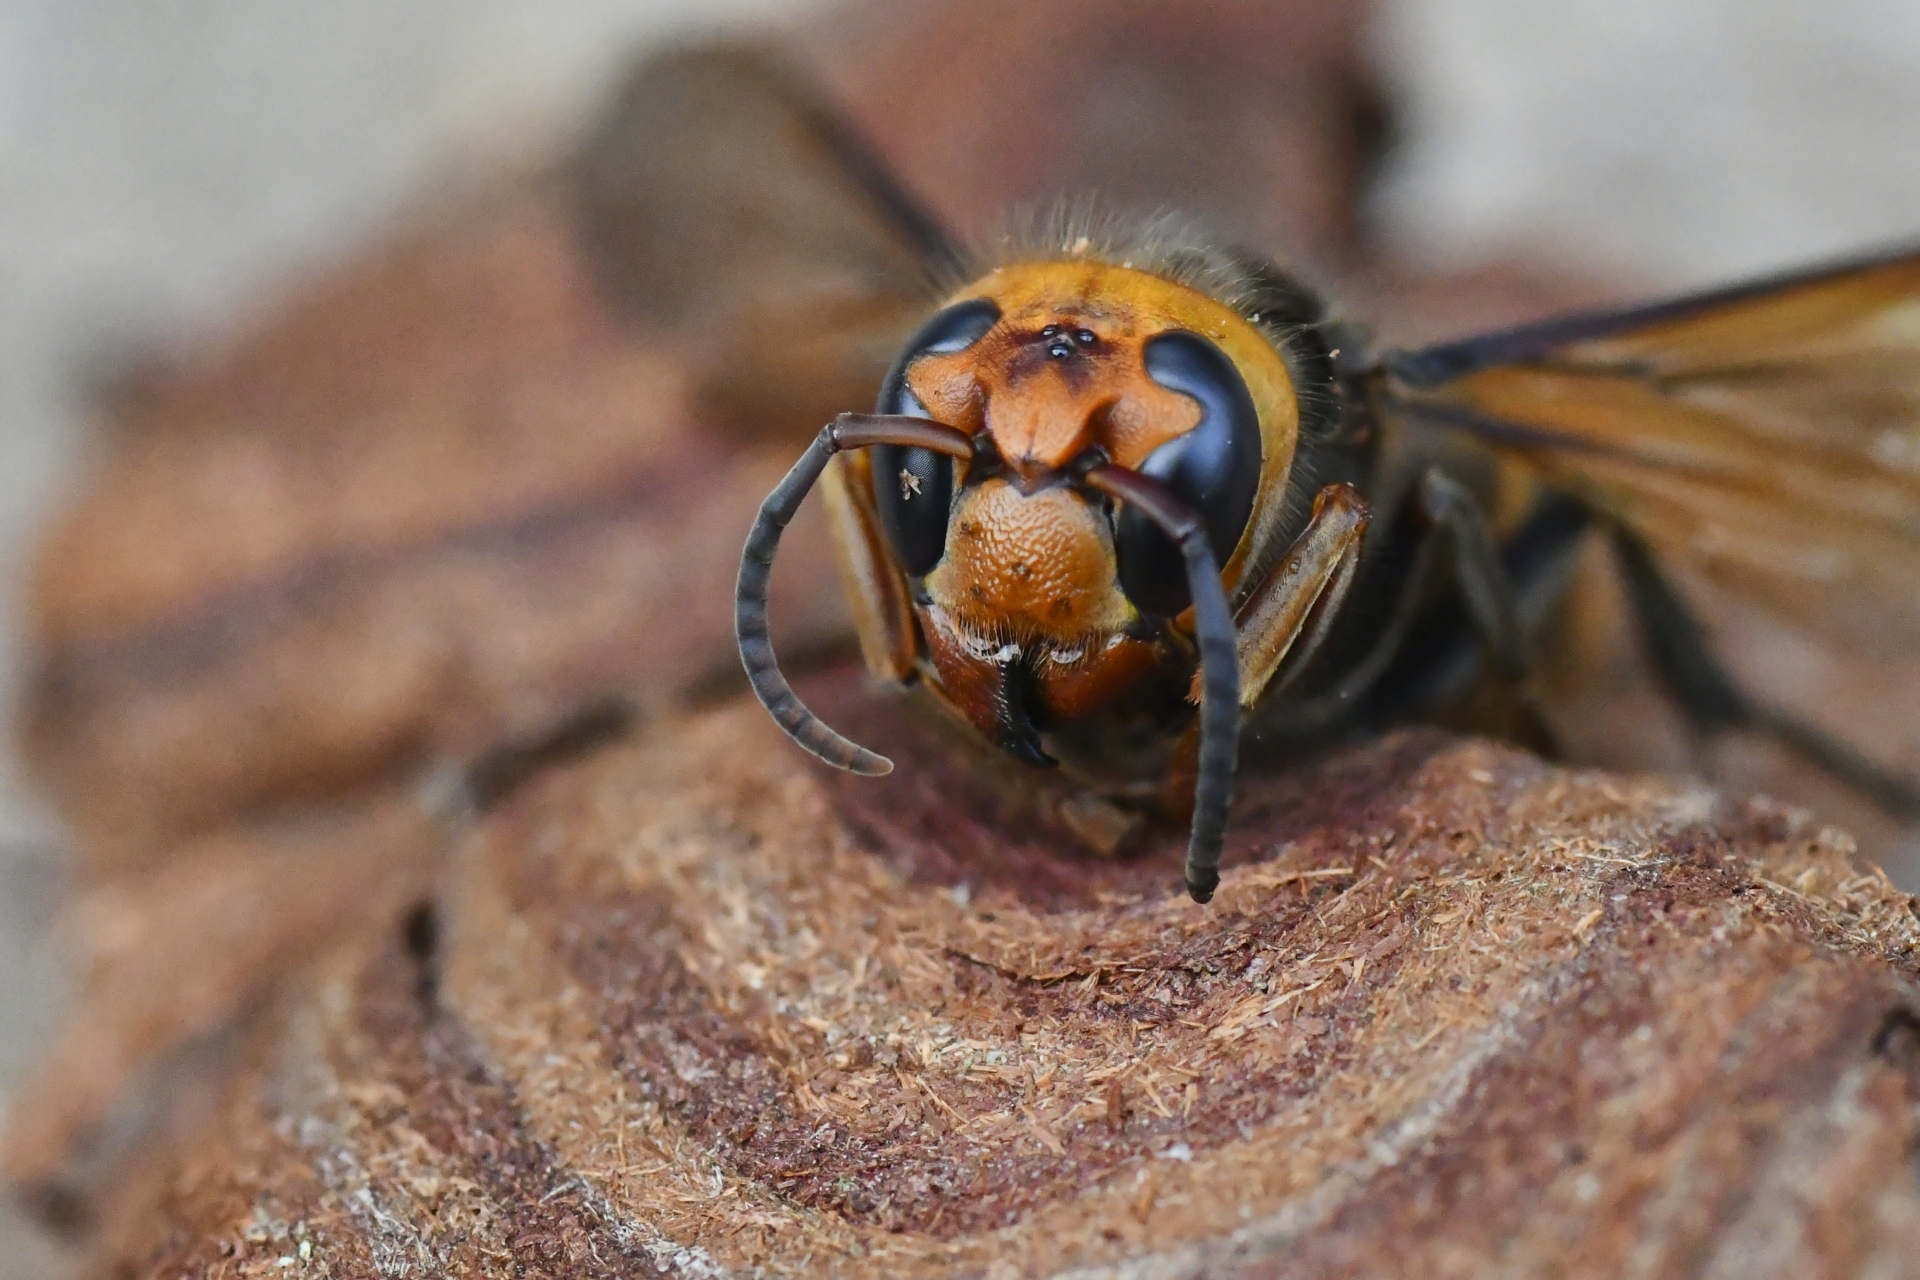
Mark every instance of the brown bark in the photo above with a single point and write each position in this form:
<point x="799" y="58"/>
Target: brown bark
<point x="689" y="1007"/>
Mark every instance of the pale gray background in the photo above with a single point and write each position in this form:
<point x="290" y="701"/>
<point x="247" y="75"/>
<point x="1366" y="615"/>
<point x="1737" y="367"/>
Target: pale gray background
<point x="163" y="163"/>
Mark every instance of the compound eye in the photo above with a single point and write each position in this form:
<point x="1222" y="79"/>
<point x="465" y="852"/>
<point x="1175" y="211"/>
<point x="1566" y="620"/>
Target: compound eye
<point x="1214" y="468"/>
<point x="913" y="488"/>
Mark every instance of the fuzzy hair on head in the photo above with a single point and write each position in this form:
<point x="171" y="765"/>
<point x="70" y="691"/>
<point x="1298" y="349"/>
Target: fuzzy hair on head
<point x="1171" y="245"/>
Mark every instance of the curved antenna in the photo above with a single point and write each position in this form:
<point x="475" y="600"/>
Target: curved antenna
<point x="848" y="431"/>
<point x="1219" y="665"/>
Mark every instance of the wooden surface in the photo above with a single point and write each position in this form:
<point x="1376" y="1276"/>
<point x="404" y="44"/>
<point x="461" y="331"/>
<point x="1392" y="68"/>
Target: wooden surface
<point x="702" y="1011"/>
<point x="685" y="1006"/>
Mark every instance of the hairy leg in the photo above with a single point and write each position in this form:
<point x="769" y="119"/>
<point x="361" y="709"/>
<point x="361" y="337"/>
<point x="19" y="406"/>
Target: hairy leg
<point x="1711" y="699"/>
<point x="882" y="614"/>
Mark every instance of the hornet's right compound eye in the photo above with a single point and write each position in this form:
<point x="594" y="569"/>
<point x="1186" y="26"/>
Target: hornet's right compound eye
<point x="913" y="488"/>
<point x="1214" y="469"/>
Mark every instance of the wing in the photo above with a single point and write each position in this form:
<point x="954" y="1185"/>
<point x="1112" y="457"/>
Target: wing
<point x="1762" y="442"/>
<point x="726" y="200"/>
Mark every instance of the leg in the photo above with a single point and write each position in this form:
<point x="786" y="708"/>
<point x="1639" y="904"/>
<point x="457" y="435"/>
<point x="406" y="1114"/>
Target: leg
<point x="1283" y="621"/>
<point x="1713" y="702"/>
<point x="1426" y="653"/>
<point x="1477" y="568"/>
<point x="882" y="614"/>
<point x="1285" y="618"/>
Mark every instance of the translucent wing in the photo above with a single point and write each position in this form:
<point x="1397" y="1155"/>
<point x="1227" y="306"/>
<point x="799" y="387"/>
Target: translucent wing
<point x="1762" y="442"/>
<point x="726" y="200"/>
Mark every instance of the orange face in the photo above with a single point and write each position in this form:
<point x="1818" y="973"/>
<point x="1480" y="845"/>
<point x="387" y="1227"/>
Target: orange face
<point x="1025" y="614"/>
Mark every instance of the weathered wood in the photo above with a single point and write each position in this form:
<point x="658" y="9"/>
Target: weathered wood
<point x="702" y="1010"/>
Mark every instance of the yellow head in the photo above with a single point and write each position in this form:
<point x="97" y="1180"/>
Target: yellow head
<point x="1022" y="577"/>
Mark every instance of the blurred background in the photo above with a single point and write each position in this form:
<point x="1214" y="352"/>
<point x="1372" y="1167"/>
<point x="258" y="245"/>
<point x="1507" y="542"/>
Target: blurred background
<point x="165" y="164"/>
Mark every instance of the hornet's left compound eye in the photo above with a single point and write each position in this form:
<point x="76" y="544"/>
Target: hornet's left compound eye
<point x="1214" y="468"/>
<point x="913" y="488"/>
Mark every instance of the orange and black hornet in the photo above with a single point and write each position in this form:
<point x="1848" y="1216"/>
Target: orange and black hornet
<point x="1131" y="494"/>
